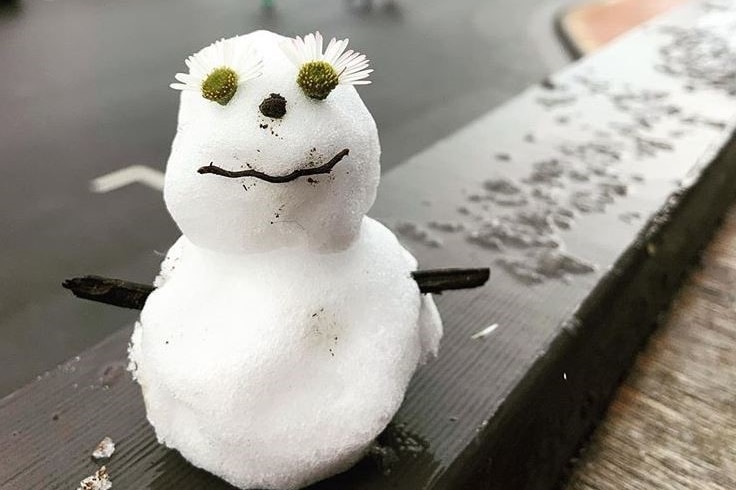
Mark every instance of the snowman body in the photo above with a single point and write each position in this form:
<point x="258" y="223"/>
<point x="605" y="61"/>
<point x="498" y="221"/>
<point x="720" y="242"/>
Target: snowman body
<point x="285" y="326"/>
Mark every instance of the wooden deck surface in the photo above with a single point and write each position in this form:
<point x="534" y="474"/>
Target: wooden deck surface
<point x="673" y="422"/>
<point x="590" y="25"/>
<point x="641" y="164"/>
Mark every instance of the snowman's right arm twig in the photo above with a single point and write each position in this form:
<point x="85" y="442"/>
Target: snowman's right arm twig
<point x="115" y="292"/>
<point x="439" y="280"/>
<point x="133" y="295"/>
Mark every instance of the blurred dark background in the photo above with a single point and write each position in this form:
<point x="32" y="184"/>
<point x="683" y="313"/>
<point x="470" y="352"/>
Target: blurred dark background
<point x="84" y="92"/>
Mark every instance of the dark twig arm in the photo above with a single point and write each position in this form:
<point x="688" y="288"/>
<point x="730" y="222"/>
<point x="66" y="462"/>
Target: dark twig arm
<point x="439" y="280"/>
<point x="325" y="168"/>
<point x="133" y="295"/>
<point x="115" y="292"/>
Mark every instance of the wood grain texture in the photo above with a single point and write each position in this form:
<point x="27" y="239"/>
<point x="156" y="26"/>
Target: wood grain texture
<point x="114" y="108"/>
<point x="612" y="136"/>
<point x="672" y="424"/>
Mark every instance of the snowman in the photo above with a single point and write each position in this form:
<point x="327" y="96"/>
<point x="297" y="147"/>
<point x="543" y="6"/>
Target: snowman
<point x="285" y="324"/>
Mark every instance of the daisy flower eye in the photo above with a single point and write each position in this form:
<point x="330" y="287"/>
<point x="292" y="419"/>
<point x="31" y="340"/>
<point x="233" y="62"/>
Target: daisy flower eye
<point x="218" y="70"/>
<point x="320" y="72"/>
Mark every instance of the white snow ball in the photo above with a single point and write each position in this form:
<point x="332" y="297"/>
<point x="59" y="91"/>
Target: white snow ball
<point x="244" y="214"/>
<point x="277" y="369"/>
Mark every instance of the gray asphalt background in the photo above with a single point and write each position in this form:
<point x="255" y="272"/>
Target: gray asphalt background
<point x="84" y="91"/>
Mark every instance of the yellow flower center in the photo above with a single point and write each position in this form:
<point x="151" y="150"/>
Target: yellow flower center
<point x="220" y="85"/>
<point x="317" y="79"/>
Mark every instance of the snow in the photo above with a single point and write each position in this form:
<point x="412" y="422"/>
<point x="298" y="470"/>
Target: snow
<point x="285" y="326"/>
<point x="481" y="334"/>
<point x="298" y="362"/>
<point x="104" y="449"/>
<point x="99" y="481"/>
<point x="248" y="214"/>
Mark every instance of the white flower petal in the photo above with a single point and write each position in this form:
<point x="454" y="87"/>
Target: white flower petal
<point x="352" y="78"/>
<point x="353" y="72"/>
<point x="309" y="46"/>
<point x="298" y="45"/>
<point x="360" y="73"/>
<point x="218" y="52"/>
<point x="332" y="51"/>
<point x="195" y="66"/>
<point x="341" y="60"/>
<point x="350" y="65"/>
<point x="181" y="86"/>
<point x="352" y="68"/>
<point x="233" y="54"/>
<point x="314" y="51"/>
<point x="318" y="45"/>
<point x="352" y="60"/>
<point x="342" y="46"/>
<point x="291" y="50"/>
<point x="186" y="78"/>
<point x="226" y="53"/>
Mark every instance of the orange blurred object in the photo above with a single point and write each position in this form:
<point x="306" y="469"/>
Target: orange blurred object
<point x="589" y="26"/>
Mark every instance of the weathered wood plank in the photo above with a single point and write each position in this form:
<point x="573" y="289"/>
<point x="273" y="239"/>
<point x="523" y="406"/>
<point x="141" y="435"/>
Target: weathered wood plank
<point x="673" y="421"/>
<point x="591" y="194"/>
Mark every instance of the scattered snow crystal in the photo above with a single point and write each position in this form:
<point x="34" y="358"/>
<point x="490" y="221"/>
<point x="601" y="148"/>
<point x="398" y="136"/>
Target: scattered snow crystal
<point x="104" y="449"/>
<point x="484" y="332"/>
<point x="99" y="481"/>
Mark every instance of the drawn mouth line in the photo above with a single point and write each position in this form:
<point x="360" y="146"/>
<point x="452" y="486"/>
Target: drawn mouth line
<point x="325" y="168"/>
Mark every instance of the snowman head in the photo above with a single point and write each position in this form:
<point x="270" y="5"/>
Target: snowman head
<point x="274" y="146"/>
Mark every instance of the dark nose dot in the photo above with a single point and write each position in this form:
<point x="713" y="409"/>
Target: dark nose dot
<point x="273" y="106"/>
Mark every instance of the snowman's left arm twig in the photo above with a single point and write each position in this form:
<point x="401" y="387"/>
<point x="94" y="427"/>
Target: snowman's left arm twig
<point x="133" y="295"/>
<point x="115" y="292"/>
